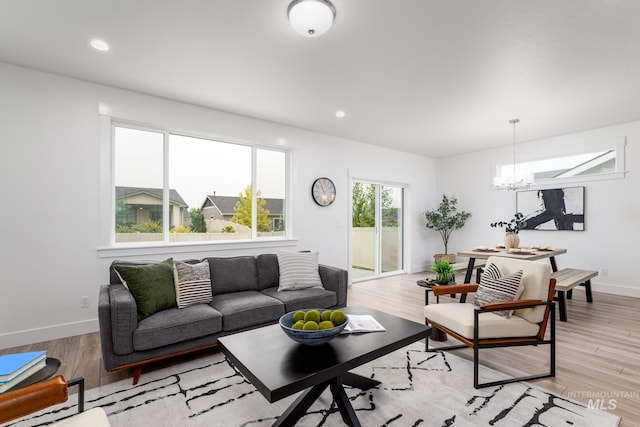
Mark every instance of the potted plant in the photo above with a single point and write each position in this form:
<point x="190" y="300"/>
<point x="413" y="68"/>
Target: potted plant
<point x="444" y="219"/>
<point x="511" y="228"/>
<point x="444" y="272"/>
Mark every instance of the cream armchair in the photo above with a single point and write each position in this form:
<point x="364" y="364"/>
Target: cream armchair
<point x="480" y="327"/>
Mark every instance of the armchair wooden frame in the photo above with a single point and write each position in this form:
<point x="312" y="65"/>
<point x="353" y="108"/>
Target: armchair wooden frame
<point x="24" y="401"/>
<point x="476" y="343"/>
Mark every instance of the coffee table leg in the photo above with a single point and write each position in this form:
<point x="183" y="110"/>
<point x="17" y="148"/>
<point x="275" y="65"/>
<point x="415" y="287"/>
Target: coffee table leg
<point x="299" y="407"/>
<point x="344" y="405"/>
<point x="358" y="381"/>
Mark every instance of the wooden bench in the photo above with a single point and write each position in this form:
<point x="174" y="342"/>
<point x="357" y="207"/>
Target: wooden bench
<point x="462" y="266"/>
<point x="566" y="280"/>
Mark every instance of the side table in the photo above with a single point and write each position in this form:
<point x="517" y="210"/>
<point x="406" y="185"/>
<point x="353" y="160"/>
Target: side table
<point x="436" y="334"/>
<point x="49" y="370"/>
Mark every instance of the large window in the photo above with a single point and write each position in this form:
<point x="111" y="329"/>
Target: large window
<point x="603" y="160"/>
<point x="175" y="188"/>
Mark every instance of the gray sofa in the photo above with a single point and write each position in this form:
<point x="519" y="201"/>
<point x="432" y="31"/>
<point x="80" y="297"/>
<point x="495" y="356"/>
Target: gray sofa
<point x="245" y="296"/>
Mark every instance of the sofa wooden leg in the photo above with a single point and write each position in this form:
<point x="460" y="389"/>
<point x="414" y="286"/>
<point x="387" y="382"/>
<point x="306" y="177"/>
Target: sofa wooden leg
<point x="137" y="371"/>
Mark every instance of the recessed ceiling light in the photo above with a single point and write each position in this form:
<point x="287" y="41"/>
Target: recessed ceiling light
<point x="99" y="45"/>
<point x="340" y="114"/>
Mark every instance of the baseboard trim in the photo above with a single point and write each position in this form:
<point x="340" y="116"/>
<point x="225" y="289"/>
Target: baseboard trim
<point x="47" y="333"/>
<point x="419" y="268"/>
<point x="609" y="288"/>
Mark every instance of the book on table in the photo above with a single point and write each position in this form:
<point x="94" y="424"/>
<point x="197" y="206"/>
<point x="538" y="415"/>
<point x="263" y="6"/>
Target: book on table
<point x="362" y="323"/>
<point x="15" y="367"/>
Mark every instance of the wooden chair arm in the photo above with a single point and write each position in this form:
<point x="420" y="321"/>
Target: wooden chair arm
<point x="24" y="401"/>
<point x="511" y="305"/>
<point x="454" y="289"/>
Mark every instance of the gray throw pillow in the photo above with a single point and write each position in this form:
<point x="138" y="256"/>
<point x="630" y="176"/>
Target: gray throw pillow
<point x="193" y="284"/>
<point x="298" y="270"/>
<point x="493" y="287"/>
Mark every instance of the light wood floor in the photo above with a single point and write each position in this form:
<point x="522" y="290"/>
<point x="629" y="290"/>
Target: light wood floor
<point x="597" y="349"/>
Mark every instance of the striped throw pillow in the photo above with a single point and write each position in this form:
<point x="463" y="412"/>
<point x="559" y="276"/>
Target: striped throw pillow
<point x="494" y="287"/>
<point x="298" y="270"/>
<point x="193" y="283"/>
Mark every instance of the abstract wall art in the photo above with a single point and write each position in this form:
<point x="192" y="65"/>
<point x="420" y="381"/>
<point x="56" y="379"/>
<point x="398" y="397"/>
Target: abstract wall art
<point x="552" y="209"/>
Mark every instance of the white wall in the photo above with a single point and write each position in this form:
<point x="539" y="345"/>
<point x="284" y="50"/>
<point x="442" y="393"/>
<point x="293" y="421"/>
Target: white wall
<point x="612" y="209"/>
<point x="50" y="185"/>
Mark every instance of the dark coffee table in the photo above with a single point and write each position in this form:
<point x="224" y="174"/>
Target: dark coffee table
<point x="279" y="367"/>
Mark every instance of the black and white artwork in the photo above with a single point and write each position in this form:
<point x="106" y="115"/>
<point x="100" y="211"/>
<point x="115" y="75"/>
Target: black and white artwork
<point x="552" y="209"/>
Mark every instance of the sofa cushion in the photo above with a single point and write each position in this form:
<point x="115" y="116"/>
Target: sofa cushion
<point x="151" y="285"/>
<point x="268" y="271"/>
<point x="193" y="283"/>
<point x="247" y="308"/>
<point x="303" y="298"/>
<point x="233" y="274"/>
<point x="176" y="325"/>
<point x="494" y="287"/>
<point x="298" y="270"/>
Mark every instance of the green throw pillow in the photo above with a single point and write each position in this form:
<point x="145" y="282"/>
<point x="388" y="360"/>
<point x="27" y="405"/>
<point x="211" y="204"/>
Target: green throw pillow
<point x="151" y="285"/>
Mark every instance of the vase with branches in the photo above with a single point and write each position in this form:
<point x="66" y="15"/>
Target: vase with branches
<point x="511" y="228"/>
<point x="445" y="219"/>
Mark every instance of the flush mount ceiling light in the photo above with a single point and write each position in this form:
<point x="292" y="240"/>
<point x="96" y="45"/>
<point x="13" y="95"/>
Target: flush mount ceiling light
<point x="311" y="18"/>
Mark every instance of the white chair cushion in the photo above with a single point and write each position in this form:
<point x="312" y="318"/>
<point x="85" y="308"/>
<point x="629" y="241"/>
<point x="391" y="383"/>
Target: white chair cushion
<point x="459" y="318"/>
<point x="95" y="417"/>
<point x="535" y="281"/>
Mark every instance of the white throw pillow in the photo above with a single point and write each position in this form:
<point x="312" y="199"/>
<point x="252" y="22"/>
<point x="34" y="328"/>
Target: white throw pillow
<point x="494" y="287"/>
<point x="193" y="283"/>
<point x="298" y="270"/>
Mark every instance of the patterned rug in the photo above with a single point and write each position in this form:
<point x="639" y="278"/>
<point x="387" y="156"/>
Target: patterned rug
<point x="418" y="389"/>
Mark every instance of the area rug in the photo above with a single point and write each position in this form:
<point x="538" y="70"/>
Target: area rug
<point x="417" y="389"/>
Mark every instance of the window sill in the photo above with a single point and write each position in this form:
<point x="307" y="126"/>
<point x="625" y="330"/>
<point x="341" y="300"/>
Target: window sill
<point x="578" y="179"/>
<point x="161" y="248"/>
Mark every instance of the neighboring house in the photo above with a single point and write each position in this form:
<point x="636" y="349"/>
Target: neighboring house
<point x="222" y="208"/>
<point x="137" y="205"/>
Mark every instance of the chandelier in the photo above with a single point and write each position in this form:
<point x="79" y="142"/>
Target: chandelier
<point x="513" y="182"/>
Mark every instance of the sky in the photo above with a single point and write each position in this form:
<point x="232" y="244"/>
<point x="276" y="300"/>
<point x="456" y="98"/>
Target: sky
<point x="198" y="167"/>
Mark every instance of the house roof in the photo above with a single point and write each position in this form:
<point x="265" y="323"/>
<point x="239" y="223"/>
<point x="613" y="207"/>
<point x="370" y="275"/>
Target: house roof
<point x="174" y="196"/>
<point x="226" y="204"/>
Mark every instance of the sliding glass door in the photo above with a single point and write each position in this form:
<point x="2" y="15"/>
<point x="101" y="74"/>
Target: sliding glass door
<point x="377" y="230"/>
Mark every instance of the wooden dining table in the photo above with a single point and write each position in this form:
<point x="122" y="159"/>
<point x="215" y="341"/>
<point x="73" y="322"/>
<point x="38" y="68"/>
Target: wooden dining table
<point x="534" y="255"/>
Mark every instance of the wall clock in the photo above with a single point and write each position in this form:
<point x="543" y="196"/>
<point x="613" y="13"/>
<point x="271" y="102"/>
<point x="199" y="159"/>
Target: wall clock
<point x="323" y="191"/>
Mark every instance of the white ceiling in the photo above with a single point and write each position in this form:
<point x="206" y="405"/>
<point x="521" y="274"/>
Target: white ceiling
<point x="433" y="77"/>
